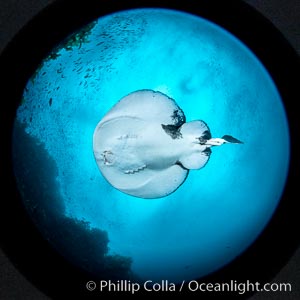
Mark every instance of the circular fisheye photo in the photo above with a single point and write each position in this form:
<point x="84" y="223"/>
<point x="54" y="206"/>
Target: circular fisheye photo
<point x="151" y="144"/>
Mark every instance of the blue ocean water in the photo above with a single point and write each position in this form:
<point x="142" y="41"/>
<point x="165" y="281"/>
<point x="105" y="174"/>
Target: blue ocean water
<point x="219" y="210"/>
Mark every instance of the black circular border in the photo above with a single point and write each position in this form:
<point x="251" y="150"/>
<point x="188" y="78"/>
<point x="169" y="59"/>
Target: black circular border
<point x="21" y="240"/>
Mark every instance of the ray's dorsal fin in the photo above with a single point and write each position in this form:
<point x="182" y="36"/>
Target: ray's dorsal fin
<point x="197" y="128"/>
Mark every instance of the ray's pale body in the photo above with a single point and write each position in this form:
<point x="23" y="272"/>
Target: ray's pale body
<point x="144" y="147"/>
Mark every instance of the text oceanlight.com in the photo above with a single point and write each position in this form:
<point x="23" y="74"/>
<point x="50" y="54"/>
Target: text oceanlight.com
<point x="192" y="286"/>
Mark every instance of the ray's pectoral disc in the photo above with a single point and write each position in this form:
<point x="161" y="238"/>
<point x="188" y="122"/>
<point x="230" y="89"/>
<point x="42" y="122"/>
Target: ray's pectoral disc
<point x="144" y="147"/>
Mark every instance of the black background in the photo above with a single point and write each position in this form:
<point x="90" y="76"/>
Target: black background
<point x="14" y="14"/>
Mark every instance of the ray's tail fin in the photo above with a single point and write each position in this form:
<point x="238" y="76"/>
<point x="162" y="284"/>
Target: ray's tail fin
<point x="231" y="139"/>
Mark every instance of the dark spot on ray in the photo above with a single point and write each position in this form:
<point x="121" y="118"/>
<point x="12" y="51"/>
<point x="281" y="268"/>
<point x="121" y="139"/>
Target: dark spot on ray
<point x="201" y="140"/>
<point x="172" y="130"/>
<point x="205" y="137"/>
<point x="178" y="117"/>
<point x="207" y="151"/>
<point x="50" y="101"/>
